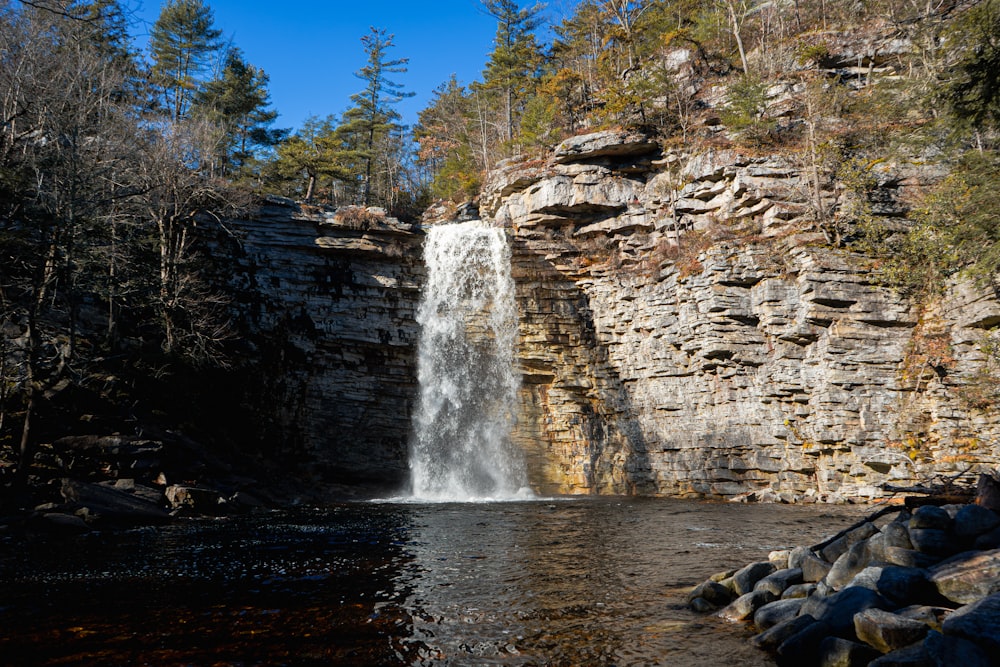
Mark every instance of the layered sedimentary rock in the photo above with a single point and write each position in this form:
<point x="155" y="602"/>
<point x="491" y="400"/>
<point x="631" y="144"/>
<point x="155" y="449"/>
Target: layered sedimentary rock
<point x="687" y="328"/>
<point x="327" y="301"/>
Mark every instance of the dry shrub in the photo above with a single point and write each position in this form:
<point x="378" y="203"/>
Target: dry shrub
<point x="359" y="217"/>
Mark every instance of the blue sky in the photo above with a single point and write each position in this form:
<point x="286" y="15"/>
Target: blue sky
<point x="311" y="48"/>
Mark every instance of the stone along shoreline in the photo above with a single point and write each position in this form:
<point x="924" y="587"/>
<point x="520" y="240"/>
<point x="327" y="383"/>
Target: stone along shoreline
<point x="906" y="587"/>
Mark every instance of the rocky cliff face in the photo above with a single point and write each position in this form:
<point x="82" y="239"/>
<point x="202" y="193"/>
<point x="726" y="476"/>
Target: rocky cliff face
<point x="326" y="302"/>
<point x="686" y="329"/>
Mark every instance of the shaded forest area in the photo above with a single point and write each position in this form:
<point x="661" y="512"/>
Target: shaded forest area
<point x="113" y="162"/>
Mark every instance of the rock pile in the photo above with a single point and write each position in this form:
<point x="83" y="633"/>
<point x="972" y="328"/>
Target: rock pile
<point x="922" y="589"/>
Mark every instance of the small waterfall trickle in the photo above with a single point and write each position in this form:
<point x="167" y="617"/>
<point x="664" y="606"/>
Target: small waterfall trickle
<point x="461" y="447"/>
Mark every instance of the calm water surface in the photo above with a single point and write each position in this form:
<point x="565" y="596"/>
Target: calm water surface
<point x="562" y="582"/>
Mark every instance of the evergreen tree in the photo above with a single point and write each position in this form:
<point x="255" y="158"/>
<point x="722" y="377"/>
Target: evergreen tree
<point x="182" y="41"/>
<point x="975" y="90"/>
<point x="237" y="100"/>
<point x="308" y="158"/>
<point x="444" y="134"/>
<point x="513" y="66"/>
<point x="372" y="119"/>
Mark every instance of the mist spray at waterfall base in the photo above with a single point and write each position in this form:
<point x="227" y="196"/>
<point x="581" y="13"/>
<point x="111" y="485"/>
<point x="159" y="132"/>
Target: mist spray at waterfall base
<point x="461" y="448"/>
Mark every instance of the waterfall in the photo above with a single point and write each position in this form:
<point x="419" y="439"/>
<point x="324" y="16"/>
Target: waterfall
<point x="461" y="447"/>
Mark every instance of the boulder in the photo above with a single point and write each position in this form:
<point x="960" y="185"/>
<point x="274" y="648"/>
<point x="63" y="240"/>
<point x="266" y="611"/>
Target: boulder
<point x="776" y="635"/>
<point x="930" y="516"/>
<point x="191" y="499"/>
<point x="978" y="622"/>
<point x="798" y="591"/>
<point x="886" y="632"/>
<point x="712" y="592"/>
<point x="934" y="541"/>
<point x="911" y="656"/>
<point x="836" y="548"/>
<point x="746" y="578"/>
<point x="777" y="582"/>
<point x="109" y="505"/>
<point x="745" y="606"/>
<point x="838" y="652"/>
<point x="986" y="541"/>
<point x="801" y="648"/>
<point x="779" y="611"/>
<point x="838" y="610"/>
<point x="898" y="585"/>
<point x="971" y="521"/>
<point x="909" y="557"/>
<point x="968" y="577"/>
<point x="896" y="534"/>
<point x="848" y="565"/>
<point x="814" y="568"/>
<point x="950" y="651"/>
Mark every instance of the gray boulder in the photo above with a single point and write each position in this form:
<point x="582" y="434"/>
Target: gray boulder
<point x="745" y="606"/>
<point x="838" y="610"/>
<point x="838" y="652"/>
<point x="746" y="578"/>
<point x="778" y="582"/>
<point x="712" y="592"/>
<point x="776" y="635"/>
<point x="886" y="632"/>
<point x="909" y="557"/>
<point x="949" y="651"/>
<point x="776" y="612"/>
<point x="934" y="541"/>
<point x="898" y="585"/>
<point x="814" y="568"/>
<point x="112" y="506"/>
<point x="971" y="521"/>
<point x="978" y="622"/>
<point x="930" y="516"/>
<point x="798" y="591"/>
<point x="968" y="577"/>
<point x="848" y="565"/>
<point x="911" y="656"/>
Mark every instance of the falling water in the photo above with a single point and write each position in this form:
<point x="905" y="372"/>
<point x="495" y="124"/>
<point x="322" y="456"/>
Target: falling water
<point x="461" y="447"/>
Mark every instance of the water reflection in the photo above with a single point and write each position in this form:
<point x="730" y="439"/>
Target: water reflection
<point x="596" y="581"/>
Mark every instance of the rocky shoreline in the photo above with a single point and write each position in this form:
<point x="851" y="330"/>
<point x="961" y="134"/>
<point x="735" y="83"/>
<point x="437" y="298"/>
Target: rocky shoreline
<point x="912" y="585"/>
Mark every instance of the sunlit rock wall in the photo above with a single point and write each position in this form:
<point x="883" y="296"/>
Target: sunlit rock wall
<point x="326" y="301"/>
<point x="686" y="329"/>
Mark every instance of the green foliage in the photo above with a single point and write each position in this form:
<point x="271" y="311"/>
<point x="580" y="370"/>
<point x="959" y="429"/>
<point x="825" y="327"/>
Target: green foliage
<point x="511" y="73"/>
<point x="238" y="102"/>
<point x="975" y="90"/>
<point x="955" y="231"/>
<point x="371" y="125"/>
<point x="181" y="42"/>
<point x="746" y="108"/>
<point x="538" y="124"/>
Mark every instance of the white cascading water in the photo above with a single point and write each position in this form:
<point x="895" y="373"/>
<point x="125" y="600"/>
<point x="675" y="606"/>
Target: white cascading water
<point x="461" y="447"/>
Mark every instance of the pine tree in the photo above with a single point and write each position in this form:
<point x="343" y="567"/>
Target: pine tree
<point x="182" y="41"/>
<point x="513" y="66"/>
<point x="237" y="100"/>
<point x="307" y="158"/>
<point x="372" y="119"/>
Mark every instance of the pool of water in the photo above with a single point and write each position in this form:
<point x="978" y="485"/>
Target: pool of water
<point x="597" y="581"/>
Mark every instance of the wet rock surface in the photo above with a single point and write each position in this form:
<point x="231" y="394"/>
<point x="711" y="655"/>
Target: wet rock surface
<point x="944" y="611"/>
